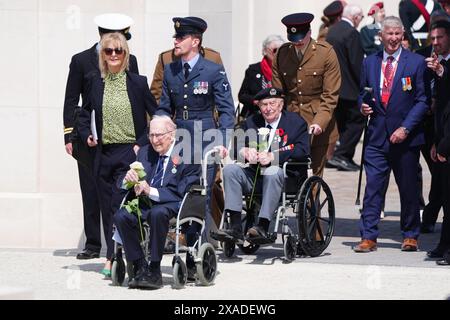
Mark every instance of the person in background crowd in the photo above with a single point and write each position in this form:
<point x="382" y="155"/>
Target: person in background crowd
<point x="370" y="37"/>
<point x="120" y="102"/>
<point x="415" y="16"/>
<point x="309" y="74"/>
<point x="440" y="151"/>
<point x="445" y="4"/>
<point x="331" y="15"/>
<point x="346" y="42"/>
<point x="258" y="76"/>
<point x="82" y="65"/>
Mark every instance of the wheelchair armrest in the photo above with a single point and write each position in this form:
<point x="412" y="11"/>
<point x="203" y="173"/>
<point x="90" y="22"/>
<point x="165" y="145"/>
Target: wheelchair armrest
<point x="292" y="164"/>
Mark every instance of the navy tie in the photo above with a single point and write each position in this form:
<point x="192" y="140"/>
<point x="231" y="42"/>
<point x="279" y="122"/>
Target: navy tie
<point x="270" y="128"/>
<point x="186" y="70"/>
<point x="159" y="173"/>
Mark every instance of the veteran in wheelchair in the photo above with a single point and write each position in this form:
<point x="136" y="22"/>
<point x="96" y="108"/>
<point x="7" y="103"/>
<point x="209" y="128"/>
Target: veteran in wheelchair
<point x="275" y="171"/>
<point x="166" y="182"/>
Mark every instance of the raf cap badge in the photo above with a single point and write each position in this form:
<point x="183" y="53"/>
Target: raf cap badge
<point x="177" y="24"/>
<point x="273" y="92"/>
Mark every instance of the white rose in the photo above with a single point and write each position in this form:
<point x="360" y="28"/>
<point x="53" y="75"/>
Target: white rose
<point x="137" y="166"/>
<point x="264" y="132"/>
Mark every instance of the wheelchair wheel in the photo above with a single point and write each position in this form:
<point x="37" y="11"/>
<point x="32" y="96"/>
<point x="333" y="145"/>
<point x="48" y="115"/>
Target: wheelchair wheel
<point x="316" y="216"/>
<point x="228" y="248"/>
<point x="207" y="267"/>
<point x="118" y="271"/>
<point x="290" y="248"/>
<point x="179" y="273"/>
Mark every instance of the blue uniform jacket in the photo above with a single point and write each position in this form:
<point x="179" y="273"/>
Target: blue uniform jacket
<point x="206" y="87"/>
<point x="405" y="108"/>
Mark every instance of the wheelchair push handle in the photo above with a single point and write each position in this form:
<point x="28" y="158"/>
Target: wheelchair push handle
<point x="205" y="165"/>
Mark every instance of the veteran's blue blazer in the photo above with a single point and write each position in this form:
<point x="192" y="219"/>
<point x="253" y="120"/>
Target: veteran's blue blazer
<point x="405" y="108"/>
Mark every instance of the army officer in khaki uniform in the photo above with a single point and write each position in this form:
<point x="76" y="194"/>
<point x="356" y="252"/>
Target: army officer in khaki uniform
<point x="308" y="72"/>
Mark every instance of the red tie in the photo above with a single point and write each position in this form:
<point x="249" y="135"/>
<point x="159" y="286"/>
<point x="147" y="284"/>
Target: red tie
<point x="387" y="84"/>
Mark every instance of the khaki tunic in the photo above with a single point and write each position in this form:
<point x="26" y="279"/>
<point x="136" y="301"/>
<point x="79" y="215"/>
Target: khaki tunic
<point x="311" y="87"/>
<point x="167" y="57"/>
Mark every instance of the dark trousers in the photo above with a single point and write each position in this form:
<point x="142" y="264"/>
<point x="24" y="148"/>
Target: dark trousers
<point x="378" y="163"/>
<point x="158" y="218"/>
<point x="115" y="162"/>
<point x="91" y="208"/>
<point x="436" y="195"/>
<point x="350" y="124"/>
<point x="444" y="241"/>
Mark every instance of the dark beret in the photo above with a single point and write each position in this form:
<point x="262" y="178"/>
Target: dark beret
<point x="269" y="93"/>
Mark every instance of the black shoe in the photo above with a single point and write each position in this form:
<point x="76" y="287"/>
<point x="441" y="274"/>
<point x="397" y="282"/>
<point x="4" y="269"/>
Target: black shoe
<point x="332" y="163"/>
<point x="88" y="254"/>
<point x="345" y="165"/>
<point x="150" y="280"/>
<point x="443" y="262"/>
<point x="426" y="228"/>
<point x="256" y="231"/>
<point x="353" y="163"/>
<point x="138" y="273"/>
<point x="192" y="271"/>
<point x="437" y="253"/>
<point x="228" y="235"/>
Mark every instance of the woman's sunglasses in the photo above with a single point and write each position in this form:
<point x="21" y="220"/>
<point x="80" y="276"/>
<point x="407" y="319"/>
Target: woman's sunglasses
<point x="109" y="51"/>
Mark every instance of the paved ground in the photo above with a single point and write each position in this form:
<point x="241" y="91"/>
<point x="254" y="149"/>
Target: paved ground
<point x="337" y="274"/>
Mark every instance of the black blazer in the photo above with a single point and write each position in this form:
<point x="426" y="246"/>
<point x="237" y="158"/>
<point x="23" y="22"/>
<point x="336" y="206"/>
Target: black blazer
<point x="142" y="103"/>
<point x="442" y="114"/>
<point x="346" y="42"/>
<point x="82" y="66"/>
<point x="251" y="85"/>
<point x="294" y="130"/>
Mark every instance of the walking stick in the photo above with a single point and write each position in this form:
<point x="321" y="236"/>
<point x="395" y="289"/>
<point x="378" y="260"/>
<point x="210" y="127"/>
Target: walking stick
<point x="367" y="99"/>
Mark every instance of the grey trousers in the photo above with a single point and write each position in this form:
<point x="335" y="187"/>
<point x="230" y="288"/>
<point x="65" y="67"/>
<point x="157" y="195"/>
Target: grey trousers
<point x="238" y="181"/>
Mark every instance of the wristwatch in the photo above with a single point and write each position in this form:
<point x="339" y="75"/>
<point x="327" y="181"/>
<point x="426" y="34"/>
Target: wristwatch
<point x="406" y="131"/>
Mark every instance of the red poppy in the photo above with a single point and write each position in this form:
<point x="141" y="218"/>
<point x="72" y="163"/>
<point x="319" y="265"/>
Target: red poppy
<point x="176" y="160"/>
<point x="279" y="132"/>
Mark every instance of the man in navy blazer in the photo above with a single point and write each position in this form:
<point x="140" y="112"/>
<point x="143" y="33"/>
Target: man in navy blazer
<point x="285" y="138"/>
<point x="166" y="182"/>
<point x="394" y="135"/>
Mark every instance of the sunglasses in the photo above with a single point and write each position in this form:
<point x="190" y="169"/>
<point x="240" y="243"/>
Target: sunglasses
<point x="109" y="51"/>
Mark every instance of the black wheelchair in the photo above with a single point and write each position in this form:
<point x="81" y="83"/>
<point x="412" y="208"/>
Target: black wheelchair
<point x="313" y="206"/>
<point x="192" y="210"/>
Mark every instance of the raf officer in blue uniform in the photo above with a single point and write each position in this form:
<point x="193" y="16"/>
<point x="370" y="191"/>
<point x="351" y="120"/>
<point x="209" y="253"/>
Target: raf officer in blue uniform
<point x="192" y="88"/>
